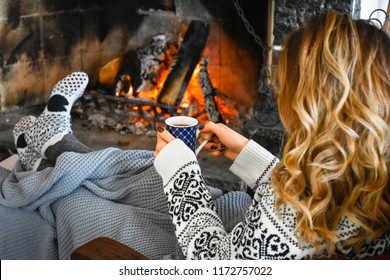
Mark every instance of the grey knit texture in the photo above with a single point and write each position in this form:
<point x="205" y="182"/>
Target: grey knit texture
<point x="232" y="207"/>
<point x="113" y="193"/>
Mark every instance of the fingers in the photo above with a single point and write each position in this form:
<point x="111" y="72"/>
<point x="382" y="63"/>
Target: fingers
<point x="215" y="146"/>
<point x="164" y="134"/>
<point x="214" y="128"/>
<point x="215" y="153"/>
<point x="205" y="136"/>
<point x="206" y="133"/>
<point x="163" y="138"/>
<point x="222" y="152"/>
<point x="215" y="132"/>
<point x="223" y="140"/>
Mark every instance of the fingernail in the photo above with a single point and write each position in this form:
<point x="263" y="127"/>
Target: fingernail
<point x="213" y="147"/>
<point x="201" y="126"/>
<point x="160" y="129"/>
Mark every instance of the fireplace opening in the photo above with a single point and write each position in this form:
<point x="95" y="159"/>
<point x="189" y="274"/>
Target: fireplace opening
<point x="42" y="41"/>
<point x="128" y="48"/>
<point x="156" y="81"/>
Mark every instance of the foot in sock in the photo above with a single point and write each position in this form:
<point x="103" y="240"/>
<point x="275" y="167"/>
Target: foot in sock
<point x="66" y="92"/>
<point x="54" y="122"/>
<point x="28" y="157"/>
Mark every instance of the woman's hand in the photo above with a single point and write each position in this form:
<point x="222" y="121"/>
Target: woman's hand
<point x="163" y="138"/>
<point x="222" y="140"/>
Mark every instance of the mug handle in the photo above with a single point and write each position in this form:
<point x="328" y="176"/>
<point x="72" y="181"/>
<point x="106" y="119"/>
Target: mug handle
<point x="201" y="145"/>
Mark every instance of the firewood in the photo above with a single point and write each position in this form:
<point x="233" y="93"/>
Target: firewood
<point x="209" y="93"/>
<point x="184" y="64"/>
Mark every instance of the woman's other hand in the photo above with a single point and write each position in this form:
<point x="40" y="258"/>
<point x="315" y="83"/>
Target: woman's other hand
<point x="163" y="138"/>
<point x="222" y="140"/>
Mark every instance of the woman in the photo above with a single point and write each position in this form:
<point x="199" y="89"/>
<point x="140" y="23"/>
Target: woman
<point x="329" y="194"/>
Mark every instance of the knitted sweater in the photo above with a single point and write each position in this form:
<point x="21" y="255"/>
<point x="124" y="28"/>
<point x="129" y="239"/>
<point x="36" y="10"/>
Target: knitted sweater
<point x="263" y="234"/>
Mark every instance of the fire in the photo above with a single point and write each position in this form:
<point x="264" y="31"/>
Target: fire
<point x="124" y="87"/>
<point x="153" y="93"/>
<point x="192" y="103"/>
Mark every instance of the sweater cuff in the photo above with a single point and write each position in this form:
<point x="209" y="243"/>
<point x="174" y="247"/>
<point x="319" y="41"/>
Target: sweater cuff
<point x="172" y="157"/>
<point x="252" y="163"/>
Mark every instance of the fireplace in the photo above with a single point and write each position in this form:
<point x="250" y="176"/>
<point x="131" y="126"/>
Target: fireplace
<point x="42" y="41"/>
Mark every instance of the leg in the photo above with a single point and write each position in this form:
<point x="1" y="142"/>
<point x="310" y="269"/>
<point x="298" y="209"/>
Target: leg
<point x="68" y="143"/>
<point x="33" y="136"/>
<point x="30" y="159"/>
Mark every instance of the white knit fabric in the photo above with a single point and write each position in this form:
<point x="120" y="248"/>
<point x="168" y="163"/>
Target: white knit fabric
<point x="29" y="158"/>
<point x="54" y="122"/>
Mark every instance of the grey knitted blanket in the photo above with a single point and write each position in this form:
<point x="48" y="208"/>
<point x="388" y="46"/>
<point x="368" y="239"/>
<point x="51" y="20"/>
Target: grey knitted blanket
<point x="113" y="193"/>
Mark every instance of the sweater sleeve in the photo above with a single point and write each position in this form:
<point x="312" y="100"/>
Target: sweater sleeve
<point x="190" y="204"/>
<point x="254" y="164"/>
<point x="198" y="227"/>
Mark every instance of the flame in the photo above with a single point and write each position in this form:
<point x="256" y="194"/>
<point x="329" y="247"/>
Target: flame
<point x="130" y="91"/>
<point x="192" y="101"/>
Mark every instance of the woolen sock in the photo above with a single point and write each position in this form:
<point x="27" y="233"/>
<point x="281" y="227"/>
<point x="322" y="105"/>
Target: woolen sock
<point x="28" y="157"/>
<point x="54" y="122"/>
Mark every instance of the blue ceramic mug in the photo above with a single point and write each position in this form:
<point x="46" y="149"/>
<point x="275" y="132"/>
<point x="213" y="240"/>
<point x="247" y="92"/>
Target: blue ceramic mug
<point x="183" y="128"/>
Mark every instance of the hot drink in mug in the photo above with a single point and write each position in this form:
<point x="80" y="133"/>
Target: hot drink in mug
<point x="183" y="128"/>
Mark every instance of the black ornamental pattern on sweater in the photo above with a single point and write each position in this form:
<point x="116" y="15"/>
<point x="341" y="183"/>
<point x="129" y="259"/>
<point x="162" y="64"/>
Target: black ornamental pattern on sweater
<point x="264" y="233"/>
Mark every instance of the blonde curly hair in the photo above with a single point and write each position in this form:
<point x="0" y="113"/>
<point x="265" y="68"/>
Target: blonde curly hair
<point x="334" y="100"/>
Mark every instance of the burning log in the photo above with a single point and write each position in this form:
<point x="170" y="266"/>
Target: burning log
<point x="153" y="59"/>
<point x="209" y="93"/>
<point x="184" y="64"/>
<point x="128" y="77"/>
<point x="137" y="70"/>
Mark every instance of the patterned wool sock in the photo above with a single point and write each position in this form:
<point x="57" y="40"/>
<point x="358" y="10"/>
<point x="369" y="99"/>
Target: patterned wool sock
<point x="28" y="157"/>
<point x="54" y="122"/>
